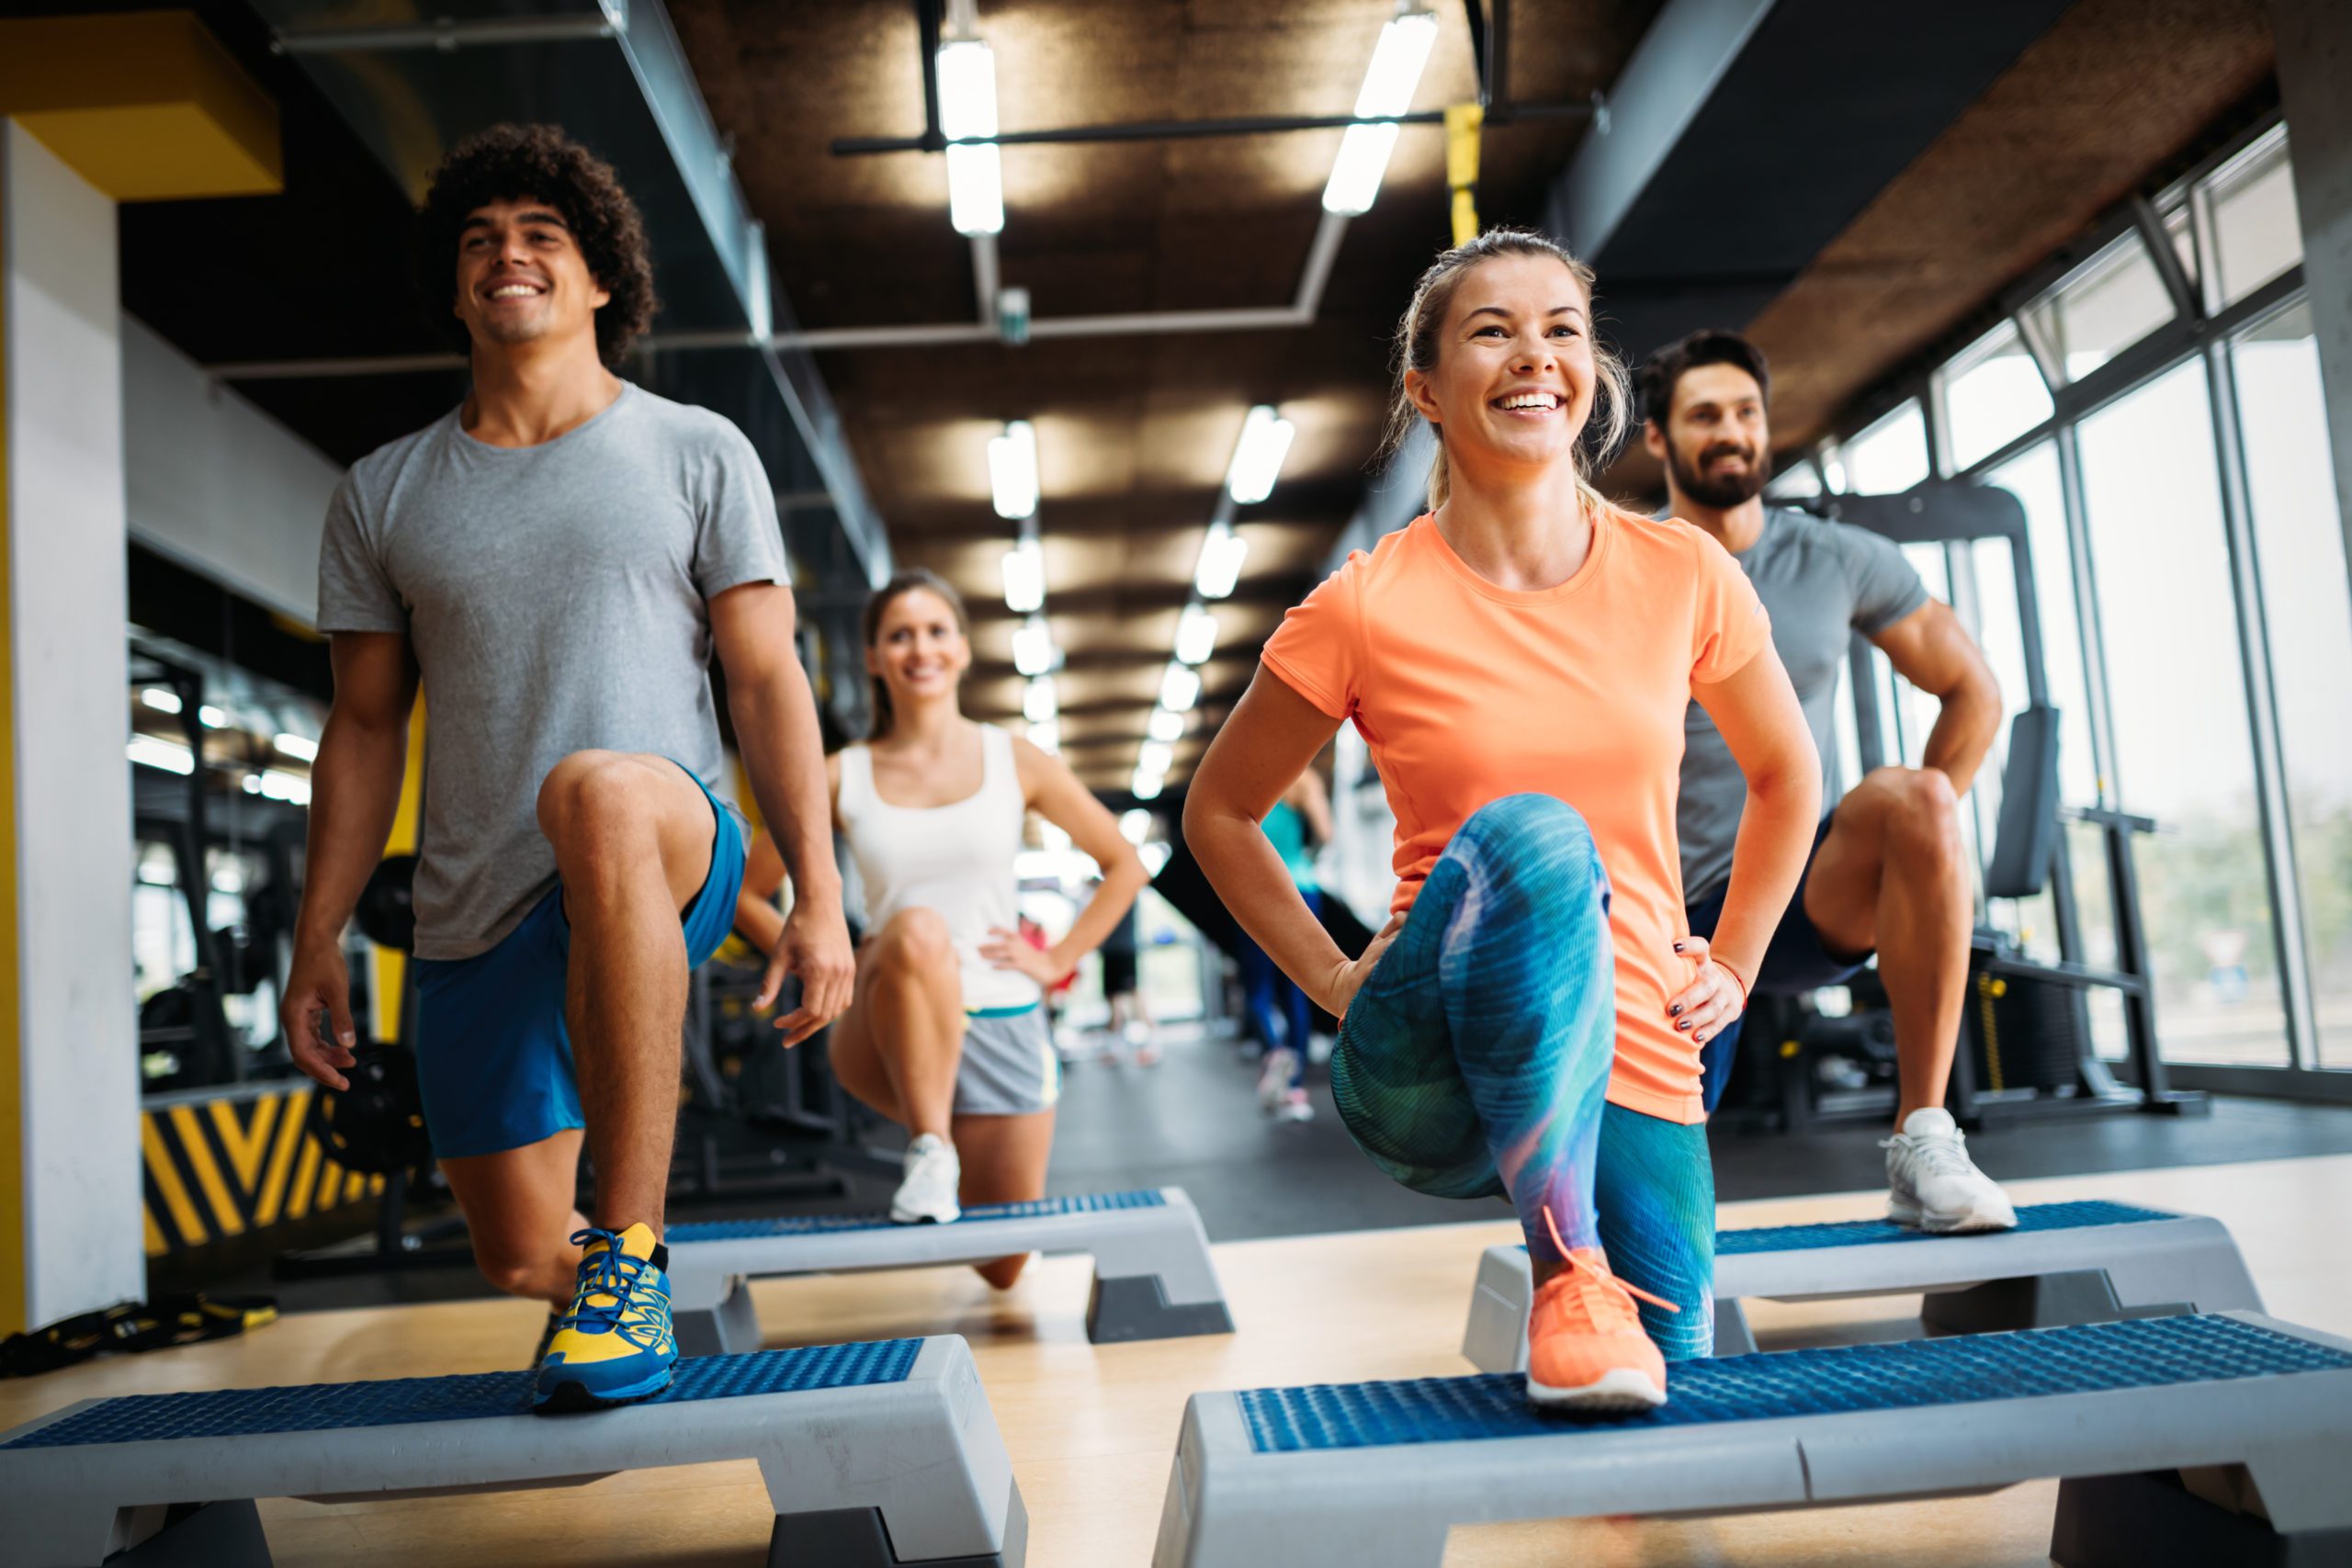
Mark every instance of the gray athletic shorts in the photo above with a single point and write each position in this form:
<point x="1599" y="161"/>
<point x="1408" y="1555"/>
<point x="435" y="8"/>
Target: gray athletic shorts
<point x="1009" y="1067"/>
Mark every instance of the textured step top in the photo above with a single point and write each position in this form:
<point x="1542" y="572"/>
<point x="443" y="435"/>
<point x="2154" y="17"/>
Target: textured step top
<point x="822" y="1224"/>
<point x="1866" y="1232"/>
<point x="400" y="1402"/>
<point x="2147" y="1352"/>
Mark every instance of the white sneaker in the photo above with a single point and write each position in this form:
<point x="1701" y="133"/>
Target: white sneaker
<point x="927" y="1196"/>
<point x="1295" y="1107"/>
<point x="1936" y="1186"/>
<point x="1273" y="1078"/>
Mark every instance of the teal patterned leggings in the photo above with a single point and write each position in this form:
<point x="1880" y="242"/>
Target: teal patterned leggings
<point x="1475" y="1060"/>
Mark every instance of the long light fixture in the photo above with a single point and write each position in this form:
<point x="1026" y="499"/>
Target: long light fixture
<point x="1154" y="758"/>
<point x="1166" y="725"/>
<point x="1195" y="636"/>
<point x="1134" y="825"/>
<point x="1146" y="786"/>
<point x="1388" y="91"/>
<point x="1033" y="647"/>
<point x="1220" y="565"/>
<point x="1039" y="703"/>
<point x="1012" y="470"/>
<point x="301" y="748"/>
<point x="1024" y="576"/>
<point x="163" y="754"/>
<point x="1046" y="735"/>
<point x="1258" y="456"/>
<point x="1179" y="688"/>
<point x="968" y="107"/>
<point x="161" y="699"/>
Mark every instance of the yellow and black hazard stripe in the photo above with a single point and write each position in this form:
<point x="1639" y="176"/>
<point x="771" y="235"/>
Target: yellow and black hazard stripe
<point x="222" y="1165"/>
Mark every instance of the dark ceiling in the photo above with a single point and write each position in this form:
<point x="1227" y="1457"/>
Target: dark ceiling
<point x="1135" y="432"/>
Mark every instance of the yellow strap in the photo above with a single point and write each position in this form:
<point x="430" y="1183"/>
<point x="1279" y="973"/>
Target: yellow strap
<point x="1463" y="122"/>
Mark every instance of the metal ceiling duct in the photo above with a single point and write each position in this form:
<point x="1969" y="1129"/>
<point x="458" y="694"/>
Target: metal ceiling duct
<point x="613" y="74"/>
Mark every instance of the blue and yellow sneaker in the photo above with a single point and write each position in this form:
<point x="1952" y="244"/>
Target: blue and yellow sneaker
<point x="614" y="1345"/>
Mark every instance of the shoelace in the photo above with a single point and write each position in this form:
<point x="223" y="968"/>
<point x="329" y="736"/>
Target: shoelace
<point x="1940" y="1153"/>
<point x="1601" y="1269"/>
<point x="618" y="1276"/>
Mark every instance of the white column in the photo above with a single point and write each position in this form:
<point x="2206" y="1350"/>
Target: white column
<point x="77" y="1050"/>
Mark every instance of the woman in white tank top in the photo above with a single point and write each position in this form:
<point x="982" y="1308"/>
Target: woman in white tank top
<point x="946" y="1035"/>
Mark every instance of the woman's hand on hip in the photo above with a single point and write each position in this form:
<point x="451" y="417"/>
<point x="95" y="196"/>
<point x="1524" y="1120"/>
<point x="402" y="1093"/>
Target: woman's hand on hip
<point x="1714" y="997"/>
<point x="1346" y="980"/>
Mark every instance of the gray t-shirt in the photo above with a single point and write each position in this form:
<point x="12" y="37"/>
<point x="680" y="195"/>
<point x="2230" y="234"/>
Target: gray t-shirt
<point x="1820" y="582"/>
<point x="556" y="597"/>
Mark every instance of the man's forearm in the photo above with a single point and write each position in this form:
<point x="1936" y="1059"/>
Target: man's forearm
<point x="1965" y="725"/>
<point x="355" y="791"/>
<point x="776" y="725"/>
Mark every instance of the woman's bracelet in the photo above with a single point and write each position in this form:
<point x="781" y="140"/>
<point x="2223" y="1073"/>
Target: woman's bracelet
<point x="1737" y="980"/>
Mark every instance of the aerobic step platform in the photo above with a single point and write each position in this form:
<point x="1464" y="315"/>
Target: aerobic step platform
<point x="1371" y="1476"/>
<point x="874" y="1456"/>
<point x="2090" y="1262"/>
<point x="1153" y="1278"/>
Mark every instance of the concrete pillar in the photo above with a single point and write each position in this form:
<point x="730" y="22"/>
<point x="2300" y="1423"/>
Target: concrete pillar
<point x="93" y="110"/>
<point x="2315" y="48"/>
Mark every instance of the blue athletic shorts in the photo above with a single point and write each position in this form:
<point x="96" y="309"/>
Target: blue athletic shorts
<point x="1796" y="961"/>
<point x="493" y="1057"/>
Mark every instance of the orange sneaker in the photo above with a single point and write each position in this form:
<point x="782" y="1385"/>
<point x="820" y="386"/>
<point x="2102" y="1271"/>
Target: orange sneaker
<point x="1586" y="1350"/>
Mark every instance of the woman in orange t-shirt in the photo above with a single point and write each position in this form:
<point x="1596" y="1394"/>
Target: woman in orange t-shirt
<point x="1520" y="662"/>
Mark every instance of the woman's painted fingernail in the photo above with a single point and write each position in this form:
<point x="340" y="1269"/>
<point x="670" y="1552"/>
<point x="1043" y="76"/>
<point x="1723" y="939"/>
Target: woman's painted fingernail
<point x="1678" y="947"/>
<point x="1674" y="1009"/>
<point x="1698" y="1040"/>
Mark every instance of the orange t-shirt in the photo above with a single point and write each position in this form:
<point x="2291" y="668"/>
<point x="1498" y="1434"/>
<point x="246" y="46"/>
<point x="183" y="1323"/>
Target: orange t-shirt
<point x="1467" y="692"/>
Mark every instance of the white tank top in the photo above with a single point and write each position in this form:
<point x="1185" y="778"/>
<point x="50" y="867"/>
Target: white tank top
<point x="956" y="860"/>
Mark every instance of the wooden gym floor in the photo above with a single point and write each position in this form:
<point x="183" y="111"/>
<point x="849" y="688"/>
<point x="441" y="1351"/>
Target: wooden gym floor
<point x="1092" y="1430"/>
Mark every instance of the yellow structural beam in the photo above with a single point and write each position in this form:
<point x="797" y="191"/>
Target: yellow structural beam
<point x="147" y="106"/>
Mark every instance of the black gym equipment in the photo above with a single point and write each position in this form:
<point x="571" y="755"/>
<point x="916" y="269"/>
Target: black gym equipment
<point x="2026" y="1046"/>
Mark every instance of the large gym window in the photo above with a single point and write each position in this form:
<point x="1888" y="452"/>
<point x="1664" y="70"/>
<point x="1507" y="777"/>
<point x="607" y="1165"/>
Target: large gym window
<point x="2164" y="429"/>
<point x="2307" y="617"/>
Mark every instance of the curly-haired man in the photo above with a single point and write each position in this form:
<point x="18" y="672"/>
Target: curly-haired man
<point x="557" y="560"/>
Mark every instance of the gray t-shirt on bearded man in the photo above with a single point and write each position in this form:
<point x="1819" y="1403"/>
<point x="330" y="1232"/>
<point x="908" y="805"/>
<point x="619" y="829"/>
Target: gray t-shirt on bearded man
<point x="557" y="599"/>
<point x="1820" y="582"/>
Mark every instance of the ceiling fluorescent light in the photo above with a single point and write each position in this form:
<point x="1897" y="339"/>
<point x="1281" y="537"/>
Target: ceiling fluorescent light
<point x="161" y="700"/>
<point x="1046" y="735"/>
<point x="1146" y="786"/>
<point x="1388" y="85"/>
<point x="1258" y="456"/>
<point x="1134" y="825"/>
<point x="161" y="754"/>
<point x="1012" y="470"/>
<point x="1033" y="647"/>
<point x="1362" y="165"/>
<point x="1024" y="578"/>
<point x="1179" y="688"/>
<point x="1220" y="566"/>
<point x="1038" y="702"/>
<point x="1395" y="68"/>
<point x="968" y="107"/>
<point x="1195" y="636"/>
<point x="1155" y="757"/>
<point x="300" y="746"/>
<point x="1166" y="725"/>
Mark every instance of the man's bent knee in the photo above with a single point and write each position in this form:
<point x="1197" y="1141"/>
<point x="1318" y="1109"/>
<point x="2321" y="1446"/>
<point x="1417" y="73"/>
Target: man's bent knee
<point x="589" y="794"/>
<point x="1923" y="822"/>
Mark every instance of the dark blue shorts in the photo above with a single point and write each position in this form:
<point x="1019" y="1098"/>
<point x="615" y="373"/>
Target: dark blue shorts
<point x="493" y="1057"/>
<point x="1795" y="961"/>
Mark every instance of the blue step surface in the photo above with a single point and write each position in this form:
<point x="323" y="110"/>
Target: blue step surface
<point x="1863" y="1232"/>
<point x="401" y="1401"/>
<point x="2147" y="1352"/>
<point x="810" y="1224"/>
